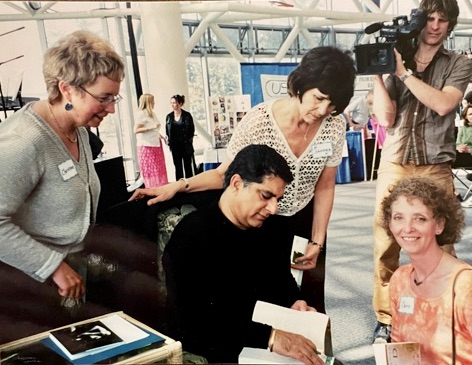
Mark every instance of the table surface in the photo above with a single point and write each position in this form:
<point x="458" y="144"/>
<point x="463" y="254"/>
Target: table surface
<point x="171" y="351"/>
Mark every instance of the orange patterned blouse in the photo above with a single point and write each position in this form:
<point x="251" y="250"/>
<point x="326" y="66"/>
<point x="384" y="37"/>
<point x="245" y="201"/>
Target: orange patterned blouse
<point x="428" y="321"/>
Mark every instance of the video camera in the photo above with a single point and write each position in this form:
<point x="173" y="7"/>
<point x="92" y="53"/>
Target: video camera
<point x="379" y="58"/>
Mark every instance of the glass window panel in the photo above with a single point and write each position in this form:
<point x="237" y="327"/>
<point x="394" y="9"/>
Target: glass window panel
<point x="345" y="40"/>
<point x="233" y="36"/>
<point x="305" y="45"/>
<point x="462" y="43"/>
<point x="196" y="87"/>
<point x="224" y="75"/>
<point x="269" y="41"/>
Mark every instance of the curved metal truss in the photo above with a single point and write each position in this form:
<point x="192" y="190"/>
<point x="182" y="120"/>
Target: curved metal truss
<point x="237" y="27"/>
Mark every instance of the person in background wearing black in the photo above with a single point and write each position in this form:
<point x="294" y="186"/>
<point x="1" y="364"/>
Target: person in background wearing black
<point x="211" y="296"/>
<point x="180" y="130"/>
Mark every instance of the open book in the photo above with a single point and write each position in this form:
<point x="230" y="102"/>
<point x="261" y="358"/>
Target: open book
<point x="311" y="325"/>
<point x="77" y="341"/>
<point x="397" y="353"/>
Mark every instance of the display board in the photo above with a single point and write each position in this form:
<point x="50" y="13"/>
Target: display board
<point x="265" y="80"/>
<point x="225" y="114"/>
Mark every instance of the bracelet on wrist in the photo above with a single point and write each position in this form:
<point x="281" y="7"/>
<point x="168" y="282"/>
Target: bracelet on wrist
<point x="185" y="182"/>
<point x="320" y="246"/>
<point x="272" y="339"/>
<point x="406" y="75"/>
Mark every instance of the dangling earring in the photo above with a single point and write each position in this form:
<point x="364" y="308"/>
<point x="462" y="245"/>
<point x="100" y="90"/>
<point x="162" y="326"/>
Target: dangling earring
<point x="68" y="106"/>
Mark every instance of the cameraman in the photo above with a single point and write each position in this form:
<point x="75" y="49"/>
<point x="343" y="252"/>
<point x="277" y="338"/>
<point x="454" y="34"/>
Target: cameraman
<point x="418" y="108"/>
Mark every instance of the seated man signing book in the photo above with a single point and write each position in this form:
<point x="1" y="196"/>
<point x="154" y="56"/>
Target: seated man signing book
<point x="219" y="263"/>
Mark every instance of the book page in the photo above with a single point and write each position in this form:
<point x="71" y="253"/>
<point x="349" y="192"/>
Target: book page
<point x="123" y="328"/>
<point x="251" y="355"/>
<point x="298" y="249"/>
<point x="403" y="353"/>
<point x="397" y="353"/>
<point x="311" y="325"/>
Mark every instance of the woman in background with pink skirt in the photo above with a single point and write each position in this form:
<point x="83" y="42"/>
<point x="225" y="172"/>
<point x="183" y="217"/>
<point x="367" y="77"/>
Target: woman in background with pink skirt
<point x="148" y="140"/>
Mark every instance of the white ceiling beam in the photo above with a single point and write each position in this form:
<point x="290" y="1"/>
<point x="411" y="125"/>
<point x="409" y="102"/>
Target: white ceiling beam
<point x="97" y="13"/>
<point x="275" y="11"/>
<point x="284" y="47"/>
<point x="369" y="4"/>
<point x="308" y="37"/>
<point x="313" y="4"/>
<point x="359" y="5"/>
<point x="231" y="12"/>
<point x="197" y="34"/>
<point x="46" y="7"/>
<point x="385" y="6"/>
<point x="227" y="42"/>
<point x="12" y="5"/>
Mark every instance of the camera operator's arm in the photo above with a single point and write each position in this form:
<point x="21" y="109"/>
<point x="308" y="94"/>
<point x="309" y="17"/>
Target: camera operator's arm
<point x="441" y="101"/>
<point x="385" y="109"/>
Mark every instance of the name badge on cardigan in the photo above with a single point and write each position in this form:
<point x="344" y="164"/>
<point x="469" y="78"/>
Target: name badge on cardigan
<point x="322" y="149"/>
<point x="67" y="170"/>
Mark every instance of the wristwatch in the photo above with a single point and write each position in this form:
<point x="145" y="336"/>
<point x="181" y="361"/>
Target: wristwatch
<point x="406" y="75"/>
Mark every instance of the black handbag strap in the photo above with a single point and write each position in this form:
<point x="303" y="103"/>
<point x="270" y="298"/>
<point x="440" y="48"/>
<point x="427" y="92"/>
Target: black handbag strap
<point x="453" y="315"/>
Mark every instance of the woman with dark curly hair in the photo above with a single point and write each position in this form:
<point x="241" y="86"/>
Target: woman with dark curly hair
<point x="431" y="296"/>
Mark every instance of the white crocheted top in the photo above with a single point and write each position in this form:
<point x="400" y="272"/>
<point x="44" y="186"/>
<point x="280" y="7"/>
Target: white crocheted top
<point x="258" y="126"/>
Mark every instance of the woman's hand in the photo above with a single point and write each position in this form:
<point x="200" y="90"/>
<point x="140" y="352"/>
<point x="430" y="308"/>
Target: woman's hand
<point x="69" y="282"/>
<point x="302" y="306"/>
<point x="462" y="148"/>
<point x="296" y="347"/>
<point x="308" y="261"/>
<point x="160" y="194"/>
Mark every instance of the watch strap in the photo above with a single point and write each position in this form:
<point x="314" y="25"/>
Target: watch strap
<point x="406" y="75"/>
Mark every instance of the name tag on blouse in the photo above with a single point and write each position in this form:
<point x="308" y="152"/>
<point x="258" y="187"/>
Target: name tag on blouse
<point x="407" y="305"/>
<point x="322" y="149"/>
<point x="67" y="170"/>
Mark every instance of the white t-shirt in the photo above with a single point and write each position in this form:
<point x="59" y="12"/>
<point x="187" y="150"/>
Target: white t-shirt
<point x="150" y="138"/>
<point x="258" y="126"/>
<point x="359" y="110"/>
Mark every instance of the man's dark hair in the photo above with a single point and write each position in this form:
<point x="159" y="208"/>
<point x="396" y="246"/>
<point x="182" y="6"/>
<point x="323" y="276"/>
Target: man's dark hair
<point x="256" y="162"/>
<point x="468" y="97"/>
<point x="330" y="70"/>
<point x="179" y="98"/>
<point x="464" y="115"/>
<point x="448" y="8"/>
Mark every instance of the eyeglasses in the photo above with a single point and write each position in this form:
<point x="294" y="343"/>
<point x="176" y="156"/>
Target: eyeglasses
<point x="107" y="100"/>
